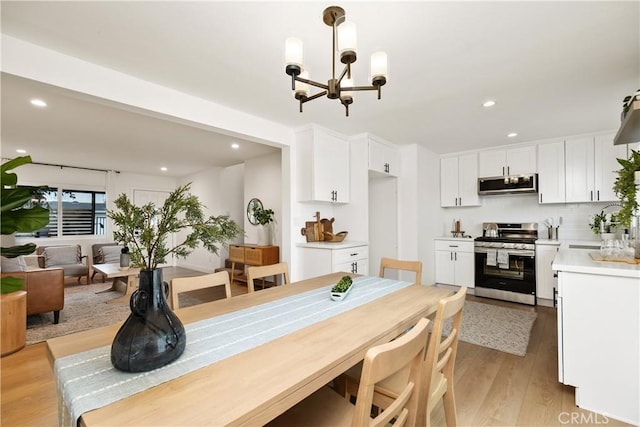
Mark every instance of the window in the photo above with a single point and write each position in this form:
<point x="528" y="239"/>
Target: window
<point x="73" y="212"/>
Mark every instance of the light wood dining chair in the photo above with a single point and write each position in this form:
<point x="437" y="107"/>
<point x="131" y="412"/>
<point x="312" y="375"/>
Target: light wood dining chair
<point x="260" y="272"/>
<point x="400" y="265"/>
<point x="382" y="362"/>
<point x="438" y="366"/>
<point x="441" y="359"/>
<point x="186" y="284"/>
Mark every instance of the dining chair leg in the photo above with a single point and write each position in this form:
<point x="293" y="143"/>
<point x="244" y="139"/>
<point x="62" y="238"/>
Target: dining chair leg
<point x="449" y="403"/>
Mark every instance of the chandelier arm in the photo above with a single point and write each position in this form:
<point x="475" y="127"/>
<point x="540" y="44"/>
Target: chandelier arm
<point x="312" y="83"/>
<point x="347" y="68"/>
<point x="359" y="88"/>
<point x="317" y="95"/>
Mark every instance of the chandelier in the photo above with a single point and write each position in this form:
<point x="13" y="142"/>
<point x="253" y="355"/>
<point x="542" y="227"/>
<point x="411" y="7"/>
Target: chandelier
<point x="344" y="43"/>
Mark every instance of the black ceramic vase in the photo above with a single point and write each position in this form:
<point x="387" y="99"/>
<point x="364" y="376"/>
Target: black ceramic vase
<point x="152" y="336"/>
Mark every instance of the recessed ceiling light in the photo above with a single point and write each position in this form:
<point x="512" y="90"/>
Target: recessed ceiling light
<point x="21" y="151"/>
<point x="489" y="103"/>
<point x="163" y="168"/>
<point x="38" y="102"/>
<point x="512" y="135"/>
<point x="235" y="146"/>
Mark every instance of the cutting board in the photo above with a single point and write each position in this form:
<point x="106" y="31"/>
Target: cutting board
<point x="597" y="257"/>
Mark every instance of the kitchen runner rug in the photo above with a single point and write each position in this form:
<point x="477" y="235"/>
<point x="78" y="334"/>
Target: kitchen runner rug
<point x="500" y="328"/>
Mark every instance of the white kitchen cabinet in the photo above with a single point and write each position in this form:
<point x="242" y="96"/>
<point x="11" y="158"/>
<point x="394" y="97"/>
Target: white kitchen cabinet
<point x="459" y="181"/>
<point x="383" y="158"/>
<point x="599" y="334"/>
<point x="455" y="262"/>
<point x="591" y="167"/>
<point x="505" y="162"/>
<point x="551" y="172"/>
<point x="318" y="259"/>
<point x="322" y="163"/>
<point x="546" y="280"/>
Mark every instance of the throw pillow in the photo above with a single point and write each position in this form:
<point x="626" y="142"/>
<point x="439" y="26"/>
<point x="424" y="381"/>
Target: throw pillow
<point x="61" y="255"/>
<point x="11" y="265"/>
<point x="110" y="254"/>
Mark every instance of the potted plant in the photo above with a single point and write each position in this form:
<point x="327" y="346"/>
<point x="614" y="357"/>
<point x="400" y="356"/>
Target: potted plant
<point x="16" y="216"/>
<point x="264" y="217"/>
<point x="340" y="290"/>
<point x="626" y="188"/>
<point x="604" y="224"/>
<point x="153" y="336"/>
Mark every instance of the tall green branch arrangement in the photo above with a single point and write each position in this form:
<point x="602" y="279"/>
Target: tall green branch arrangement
<point x="626" y="189"/>
<point x="145" y="229"/>
<point x="17" y="216"/>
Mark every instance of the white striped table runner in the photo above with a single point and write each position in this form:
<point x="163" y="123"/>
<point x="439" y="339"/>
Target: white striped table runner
<point x="87" y="380"/>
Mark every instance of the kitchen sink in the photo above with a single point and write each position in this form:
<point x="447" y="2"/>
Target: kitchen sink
<point x="584" y="247"/>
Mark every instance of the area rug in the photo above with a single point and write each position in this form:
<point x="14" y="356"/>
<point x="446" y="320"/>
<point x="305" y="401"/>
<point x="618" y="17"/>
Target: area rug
<point x="500" y="328"/>
<point x="83" y="309"/>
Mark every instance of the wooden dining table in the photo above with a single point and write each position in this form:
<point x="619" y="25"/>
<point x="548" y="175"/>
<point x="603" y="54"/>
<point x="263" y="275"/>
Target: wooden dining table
<point x="255" y="386"/>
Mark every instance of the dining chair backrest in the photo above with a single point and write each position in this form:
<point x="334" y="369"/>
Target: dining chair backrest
<point x="400" y="265"/>
<point x="382" y="363"/>
<point x="400" y="361"/>
<point x="260" y="272"/>
<point x="186" y="284"/>
<point x="440" y="360"/>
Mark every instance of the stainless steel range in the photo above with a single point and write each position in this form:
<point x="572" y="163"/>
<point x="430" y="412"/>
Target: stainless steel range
<point x="505" y="262"/>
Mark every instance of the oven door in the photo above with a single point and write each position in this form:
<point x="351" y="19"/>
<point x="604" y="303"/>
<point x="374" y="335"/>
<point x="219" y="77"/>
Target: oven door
<point x="512" y="281"/>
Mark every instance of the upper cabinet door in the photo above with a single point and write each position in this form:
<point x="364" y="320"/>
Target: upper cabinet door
<point x="551" y="175"/>
<point x="606" y="166"/>
<point x="468" y="180"/>
<point x="449" y="182"/>
<point x="521" y="160"/>
<point x="323" y="166"/>
<point x="383" y="158"/>
<point x="505" y="162"/>
<point x="579" y="162"/>
<point x="492" y="163"/>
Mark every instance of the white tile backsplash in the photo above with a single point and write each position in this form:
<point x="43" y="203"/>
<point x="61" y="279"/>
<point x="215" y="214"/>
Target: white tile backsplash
<point x="524" y="208"/>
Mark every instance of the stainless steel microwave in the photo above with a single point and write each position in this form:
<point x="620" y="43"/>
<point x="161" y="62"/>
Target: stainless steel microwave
<point x="508" y="184"/>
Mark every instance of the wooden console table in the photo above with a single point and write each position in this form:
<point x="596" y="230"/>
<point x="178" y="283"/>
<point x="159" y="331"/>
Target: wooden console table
<point x="248" y="254"/>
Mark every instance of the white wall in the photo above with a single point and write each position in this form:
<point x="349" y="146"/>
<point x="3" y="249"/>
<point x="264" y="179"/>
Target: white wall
<point x="263" y="180"/>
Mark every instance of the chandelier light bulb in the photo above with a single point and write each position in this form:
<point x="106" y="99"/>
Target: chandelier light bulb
<point x="378" y="64"/>
<point x="302" y="89"/>
<point x="347" y="42"/>
<point x="293" y="51"/>
<point x="346" y="94"/>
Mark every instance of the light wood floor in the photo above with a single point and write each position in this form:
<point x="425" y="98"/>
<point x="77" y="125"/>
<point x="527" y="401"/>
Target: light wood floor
<point x="492" y="388"/>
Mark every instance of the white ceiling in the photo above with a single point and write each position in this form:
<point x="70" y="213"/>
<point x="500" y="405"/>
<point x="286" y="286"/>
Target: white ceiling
<point x="554" y="69"/>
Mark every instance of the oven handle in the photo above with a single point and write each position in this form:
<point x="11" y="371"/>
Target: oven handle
<point x="512" y="252"/>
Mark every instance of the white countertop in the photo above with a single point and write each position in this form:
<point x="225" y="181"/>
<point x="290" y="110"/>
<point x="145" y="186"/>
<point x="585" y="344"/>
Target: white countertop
<point x="458" y="239"/>
<point x="578" y="261"/>
<point x="328" y="245"/>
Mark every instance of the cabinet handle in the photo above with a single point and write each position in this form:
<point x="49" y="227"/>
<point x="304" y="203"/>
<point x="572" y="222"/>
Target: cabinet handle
<point x="451" y="256"/>
<point x="555" y="297"/>
<point x="386" y="167"/>
<point x="460" y="198"/>
<point x="508" y="170"/>
<point x="540" y="197"/>
<point x="353" y="254"/>
<point x="591" y="196"/>
<point x="453" y="246"/>
<point x="598" y="193"/>
<point x="455" y="256"/>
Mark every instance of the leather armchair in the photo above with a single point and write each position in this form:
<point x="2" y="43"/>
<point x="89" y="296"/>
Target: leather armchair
<point x="45" y="290"/>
